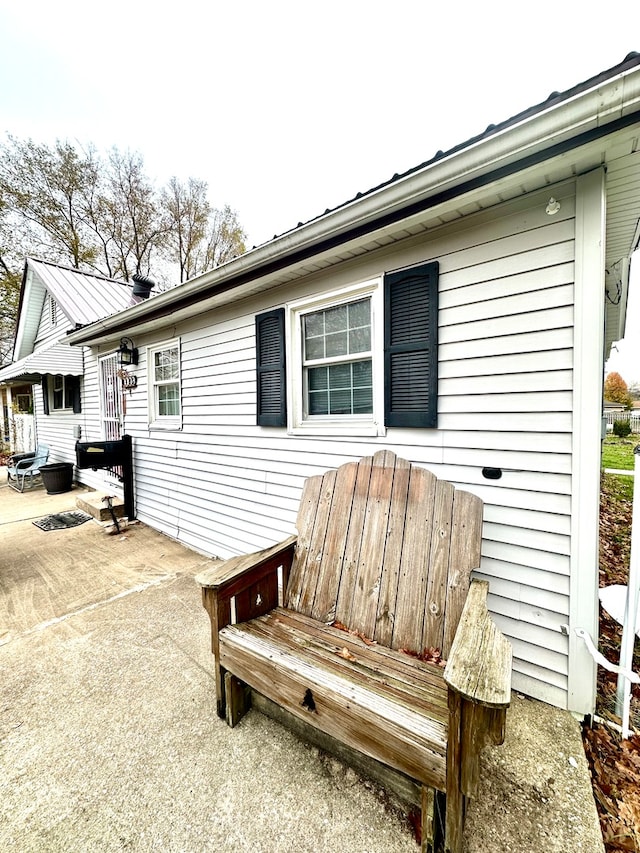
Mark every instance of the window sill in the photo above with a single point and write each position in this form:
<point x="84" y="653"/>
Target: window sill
<point x="166" y="426"/>
<point x="343" y="428"/>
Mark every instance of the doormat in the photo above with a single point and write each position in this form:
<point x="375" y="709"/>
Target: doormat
<point x="61" y="520"/>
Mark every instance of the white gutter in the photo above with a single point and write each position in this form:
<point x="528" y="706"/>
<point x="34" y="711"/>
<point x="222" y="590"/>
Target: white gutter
<point x="613" y="99"/>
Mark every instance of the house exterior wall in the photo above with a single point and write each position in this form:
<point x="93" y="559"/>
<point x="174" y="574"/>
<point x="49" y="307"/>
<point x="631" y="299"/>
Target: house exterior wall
<point x="506" y="312"/>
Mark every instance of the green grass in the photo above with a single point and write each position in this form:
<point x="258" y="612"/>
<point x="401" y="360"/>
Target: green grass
<point x="618" y="453"/>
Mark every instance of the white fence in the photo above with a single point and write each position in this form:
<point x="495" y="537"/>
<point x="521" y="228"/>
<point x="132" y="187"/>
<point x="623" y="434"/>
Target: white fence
<point x="633" y="417"/>
<point x="22" y="433"/>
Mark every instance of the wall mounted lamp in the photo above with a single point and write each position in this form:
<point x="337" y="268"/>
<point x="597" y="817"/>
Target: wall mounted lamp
<point x="127" y="352"/>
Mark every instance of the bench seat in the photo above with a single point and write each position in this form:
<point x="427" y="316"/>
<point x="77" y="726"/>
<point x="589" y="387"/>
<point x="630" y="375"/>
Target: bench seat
<point x="385" y="703"/>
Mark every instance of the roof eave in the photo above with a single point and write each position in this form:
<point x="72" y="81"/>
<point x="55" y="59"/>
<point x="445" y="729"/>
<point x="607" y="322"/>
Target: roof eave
<point x="610" y="105"/>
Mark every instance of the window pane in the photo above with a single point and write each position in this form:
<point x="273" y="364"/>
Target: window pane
<point x="314" y="324"/>
<point x="318" y="403"/>
<point x="359" y="313"/>
<point x="362" y="374"/>
<point x="335" y="319"/>
<point x="337" y="344"/>
<point x="318" y="378"/>
<point x="314" y="348"/>
<point x="168" y="400"/>
<point x="360" y="339"/>
<point x="340" y="402"/>
<point x="166" y="364"/>
<point x="362" y="401"/>
<point x="340" y="376"/>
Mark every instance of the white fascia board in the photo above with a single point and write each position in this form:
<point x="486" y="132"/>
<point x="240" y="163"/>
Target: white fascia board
<point x="27" y="328"/>
<point x="560" y="123"/>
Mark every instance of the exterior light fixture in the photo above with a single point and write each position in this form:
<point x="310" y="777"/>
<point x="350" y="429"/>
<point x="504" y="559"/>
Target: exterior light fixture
<point x="552" y="207"/>
<point x="127" y="352"/>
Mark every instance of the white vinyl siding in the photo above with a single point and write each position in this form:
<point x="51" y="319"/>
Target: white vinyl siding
<point x="225" y="486"/>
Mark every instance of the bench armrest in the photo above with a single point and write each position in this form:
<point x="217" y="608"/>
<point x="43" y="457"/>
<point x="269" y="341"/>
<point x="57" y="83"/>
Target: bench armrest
<point x="479" y="664"/>
<point x="235" y="574"/>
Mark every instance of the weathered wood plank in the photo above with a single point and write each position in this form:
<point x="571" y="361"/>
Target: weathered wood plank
<point x="353" y="541"/>
<point x="219" y="610"/>
<point x="414" y="567"/>
<point x="370" y="563"/>
<point x="479" y="664"/>
<point x="230" y="575"/>
<point x="330" y="568"/>
<point x="428" y="823"/>
<point x="316" y="550"/>
<point x="466" y="541"/>
<point x="455" y="799"/>
<point x="306" y="516"/>
<point x="387" y="599"/>
<point x="435" y="601"/>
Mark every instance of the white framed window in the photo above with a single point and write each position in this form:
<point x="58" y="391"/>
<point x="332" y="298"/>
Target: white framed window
<point x="163" y="367"/>
<point x="335" y="350"/>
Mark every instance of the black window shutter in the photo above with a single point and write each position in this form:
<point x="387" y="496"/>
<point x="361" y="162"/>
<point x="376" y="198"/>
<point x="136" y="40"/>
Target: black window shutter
<point x="271" y="369"/>
<point x="73" y="387"/>
<point x="411" y="347"/>
<point x="45" y="394"/>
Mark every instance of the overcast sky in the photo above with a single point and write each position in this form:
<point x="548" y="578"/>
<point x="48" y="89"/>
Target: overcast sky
<point x="288" y="108"/>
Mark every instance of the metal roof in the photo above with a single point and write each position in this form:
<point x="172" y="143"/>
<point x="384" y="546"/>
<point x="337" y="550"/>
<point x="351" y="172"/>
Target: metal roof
<point x="83" y="297"/>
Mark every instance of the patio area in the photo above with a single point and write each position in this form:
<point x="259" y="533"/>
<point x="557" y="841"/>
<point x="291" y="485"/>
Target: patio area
<point x="110" y="739"/>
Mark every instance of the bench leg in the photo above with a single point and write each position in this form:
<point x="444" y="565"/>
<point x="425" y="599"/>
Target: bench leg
<point x="428" y="822"/>
<point x="455" y="799"/>
<point x="219" y="611"/>
<point x="238" y="699"/>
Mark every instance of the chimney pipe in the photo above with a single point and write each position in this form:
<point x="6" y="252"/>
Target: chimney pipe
<point x="142" y="286"/>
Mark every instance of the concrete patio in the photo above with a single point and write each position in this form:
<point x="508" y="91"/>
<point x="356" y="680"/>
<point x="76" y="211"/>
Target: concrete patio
<point x="109" y="739"/>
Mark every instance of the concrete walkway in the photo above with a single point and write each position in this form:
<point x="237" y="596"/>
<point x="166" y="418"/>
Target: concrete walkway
<point x="109" y="739"/>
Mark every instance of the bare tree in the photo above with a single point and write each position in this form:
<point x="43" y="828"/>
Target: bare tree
<point x="45" y="186"/>
<point x="133" y="220"/>
<point x="67" y="204"/>
<point x="187" y="210"/>
<point x="226" y="239"/>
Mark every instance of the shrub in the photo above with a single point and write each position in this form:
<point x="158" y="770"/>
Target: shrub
<point x="622" y="428"/>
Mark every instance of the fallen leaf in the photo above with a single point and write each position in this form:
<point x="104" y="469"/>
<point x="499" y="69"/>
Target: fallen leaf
<point x="346" y="654"/>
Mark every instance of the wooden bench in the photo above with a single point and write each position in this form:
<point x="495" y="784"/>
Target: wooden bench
<point x="329" y="623"/>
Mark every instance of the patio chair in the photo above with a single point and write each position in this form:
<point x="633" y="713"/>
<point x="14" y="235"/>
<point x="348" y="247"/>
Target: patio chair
<point x="25" y="466"/>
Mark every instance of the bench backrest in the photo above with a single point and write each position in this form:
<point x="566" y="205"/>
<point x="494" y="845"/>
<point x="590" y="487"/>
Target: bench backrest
<point x="386" y="548"/>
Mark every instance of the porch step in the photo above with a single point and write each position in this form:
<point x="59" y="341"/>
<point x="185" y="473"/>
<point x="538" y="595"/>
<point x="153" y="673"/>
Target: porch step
<point x="93" y="504"/>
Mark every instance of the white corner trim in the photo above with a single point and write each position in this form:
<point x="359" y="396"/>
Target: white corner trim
<point x="588" y="366"/>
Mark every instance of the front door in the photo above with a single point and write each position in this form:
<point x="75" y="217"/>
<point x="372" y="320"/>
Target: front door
<point x="110" y="406"/>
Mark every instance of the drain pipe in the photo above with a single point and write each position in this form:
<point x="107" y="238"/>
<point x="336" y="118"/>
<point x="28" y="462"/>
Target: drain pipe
<point x="625" y="674"/>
